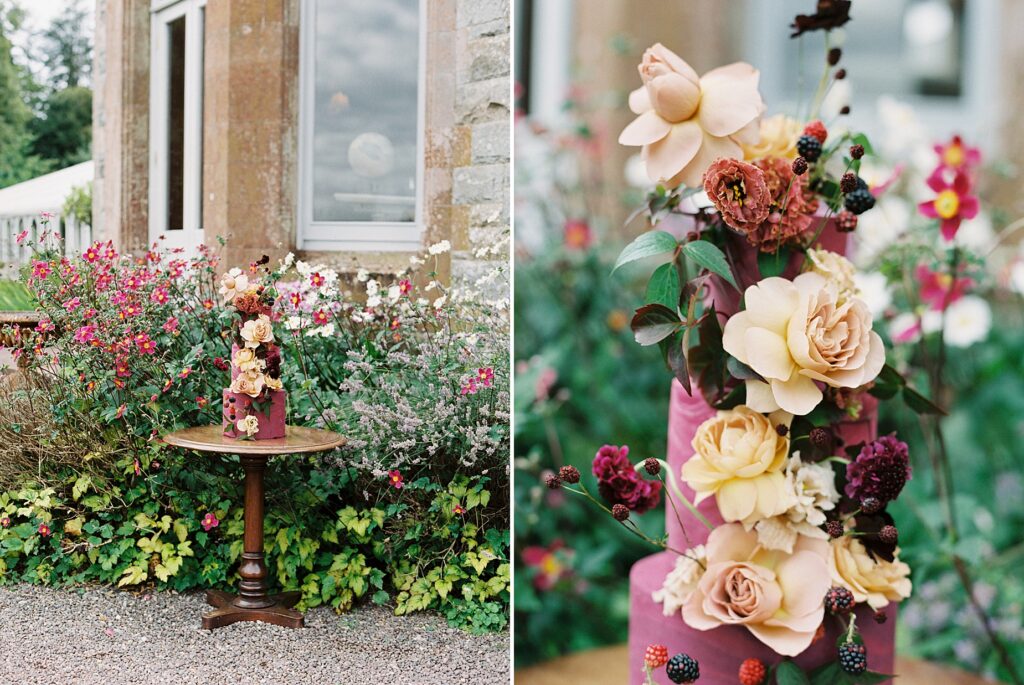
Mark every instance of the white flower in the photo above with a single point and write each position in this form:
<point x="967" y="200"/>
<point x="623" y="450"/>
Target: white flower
<point x="303" y="268"/>
<point x="289" y="259"/>
<point x="681" y="581"/>
<point x="873" y="288"/>
<point x="362" y="275"/>
<point x="394" y="292"/>
<point x="373" y="302"/>
<point x="439" y="248"/>
<point x="416" y="261"/>
<point x="813" y="492"/>
<point x="250" y="425"/>
<point x="232" y="284"/>
<point x="372" y="287"/>
<point x="636" y="172"/>
<point x="293" y="323"/>
<point x="968" y="321"/>
<point x="1017" y="277"/>
<point x="325" y="331"/>
<point x="904" y="328"/>
<point x="439" y="302"/>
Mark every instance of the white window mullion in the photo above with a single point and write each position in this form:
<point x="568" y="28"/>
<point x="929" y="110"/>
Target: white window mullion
<point x="193" y="123"/>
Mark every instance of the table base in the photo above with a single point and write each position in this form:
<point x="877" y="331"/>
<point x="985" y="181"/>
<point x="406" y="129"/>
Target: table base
<point x="278" y="612"/>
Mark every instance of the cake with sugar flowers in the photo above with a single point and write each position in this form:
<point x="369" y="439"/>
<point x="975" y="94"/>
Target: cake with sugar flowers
<point x="781" y="562"/>
<point x="254" y="403"/>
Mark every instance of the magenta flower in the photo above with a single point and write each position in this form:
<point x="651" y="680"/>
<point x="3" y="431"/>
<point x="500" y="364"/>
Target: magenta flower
<point x="953" y="203"/>
<point x="171" y="324"/>
<point x="880" y="470"/>
<point x="21" y="237"/>
<point x="144" y="344"/>
<point x="159" y="296"/>
<point x="940" y="290"/>
<point x="619" y="483"/>
<point x="486" y="376"/>
<point x="210" y="521"/>
<point x="92" y="253"/>
<point x="396" y="480"/>
<point x="550" y="563"/>
<point x="955" y="156"/>
<point x="470" y="386"/>
<point x="5" y="521"/>
<point x="316" y="280"/>
<point x="85" y="334"/>
<point x="44" y="530"/>
<point x="40" y="269"/>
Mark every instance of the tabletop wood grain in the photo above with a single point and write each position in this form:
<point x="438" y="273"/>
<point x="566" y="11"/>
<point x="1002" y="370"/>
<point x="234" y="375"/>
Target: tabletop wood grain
<point x="297" y="440"/>
<point x="608" y="666"/>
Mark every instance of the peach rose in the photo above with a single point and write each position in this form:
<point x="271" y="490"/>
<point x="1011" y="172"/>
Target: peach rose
<point x="872" y="580"/>
<point x="739" y="457"/>
<point x="250" y="425"/>
<point x="233" y="283"/>
<point x="257" y="331"/>
<point x="778" y="597"/>
<point x="794" y="333"/>
<point x="245" y="360"/>
<point x="778" y="139"/>
<point x="273" y="383"/>
<point x="245" y="384"/>
<point x="687" y="121"/>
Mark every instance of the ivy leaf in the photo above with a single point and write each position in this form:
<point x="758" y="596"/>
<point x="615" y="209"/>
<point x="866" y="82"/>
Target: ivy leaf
<point x="773" y="263"/>
<point x="653" y="323"/>
<point x="711" y="258"/>
<point x="646" y="245"/>
<point x="663" y="287"/>
<point x="789" y="673"/>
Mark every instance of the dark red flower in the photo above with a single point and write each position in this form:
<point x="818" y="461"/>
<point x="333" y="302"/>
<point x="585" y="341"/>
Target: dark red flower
<point x="619" y="483"/>
<point x="830" y="14"/>
<point x="880" y="470"/>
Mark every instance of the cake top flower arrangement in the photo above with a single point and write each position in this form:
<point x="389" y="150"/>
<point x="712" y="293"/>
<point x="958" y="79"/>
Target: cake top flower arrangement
<point x="758" y="312"/>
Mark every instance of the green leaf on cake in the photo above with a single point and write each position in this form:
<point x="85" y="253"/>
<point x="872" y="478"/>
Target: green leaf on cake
<point x="789" y="673"/>
<point x="711" y="258"/>
<point x="647" y="244"/>
<point x="773" y="263"/>
<point x="871" y="678"/>
<point x="663" y="288"/>
<point x="652" y="323"/>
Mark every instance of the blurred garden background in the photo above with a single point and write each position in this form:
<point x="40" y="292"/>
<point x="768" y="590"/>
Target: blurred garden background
<point x="919" y="72"/>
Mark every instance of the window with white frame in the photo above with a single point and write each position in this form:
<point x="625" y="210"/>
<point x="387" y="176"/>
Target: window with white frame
<point x="176" y="123"/>
<point x="361" y="125"/>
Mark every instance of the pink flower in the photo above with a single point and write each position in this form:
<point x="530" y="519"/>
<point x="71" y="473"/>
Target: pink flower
<point x="210" y="521"/>
<point x="119" y="297"/>
<point x="551" y="564"/>
<point x="777" y="597"/>
<point x="19" y="240"/>
<point x="952" y="205"/>
<point x="395" y="479"/>
<point x="72" y="304"/>
<point x="470" y="387"/>
<point x="619" y="483"/>
<point x="202" y="402"/>
<point x="85" y="334"/>
<point x="458" y="509"/>
<point x="92" y="253"/>
<point x="576" y="234"/>
<point x="120" y="412"/>
<point x="121" y="369"/>
<point x="171" y="324"/>
<point x="44" y="325"/>
<point x="144" y="344"/>
<point x="405" y="286"/>
<point x="486" y="376"/>
<point x="687" y="121"/>
<point x="295" y="299"/>
<point x="159" y="296"/>
<point x="320" y="317"/>
<point x="40" y="269"/>
<point x="46" y="216"/>
<point x="5" y="521"/>
<point x="956" y="157"/>
<point x="185" y="373"/>
<point x="939" y="290"/>
<point x="44" y="530"/>
<point x="739" y="193"/>
<point x="316" y="280"/>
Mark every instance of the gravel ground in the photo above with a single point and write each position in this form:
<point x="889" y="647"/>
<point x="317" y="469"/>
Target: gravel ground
<point x="105" y="637"/>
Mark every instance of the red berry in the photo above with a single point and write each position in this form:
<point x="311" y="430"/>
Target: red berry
<point x="816" y="129"/>
<point x="656" y="656"/>
<point x="752" y="672"/>
<point x="846" y="221"/>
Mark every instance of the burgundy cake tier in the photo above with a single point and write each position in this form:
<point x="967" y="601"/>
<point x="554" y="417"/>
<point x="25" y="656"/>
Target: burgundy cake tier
<point x="720" y="651"/>
<point x="271" y="419"/>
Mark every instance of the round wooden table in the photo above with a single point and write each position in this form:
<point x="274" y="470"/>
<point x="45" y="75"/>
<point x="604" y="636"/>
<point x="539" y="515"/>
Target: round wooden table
<point x="253" y="602"/>
<point x="610" y="666"/>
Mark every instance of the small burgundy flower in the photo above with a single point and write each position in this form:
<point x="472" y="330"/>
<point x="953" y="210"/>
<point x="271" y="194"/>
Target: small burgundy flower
<point x="210" y="521"/>
<point x="44" y="530"/>
<point x="619" y="483"/>
<point x="880" y="470"/>
<point x="5" y="521"/>
<point x="220" y="363"/>
<point x="396" y="480"/>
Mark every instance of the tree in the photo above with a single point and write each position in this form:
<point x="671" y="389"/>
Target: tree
<point x="63" y="132"/>
<point x="16" y="161"/>
<point x="67" y="48"/>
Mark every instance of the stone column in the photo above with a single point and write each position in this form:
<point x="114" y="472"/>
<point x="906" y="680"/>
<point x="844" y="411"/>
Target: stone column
<point x="121" y="123"/>
<point x="250" y="127"/>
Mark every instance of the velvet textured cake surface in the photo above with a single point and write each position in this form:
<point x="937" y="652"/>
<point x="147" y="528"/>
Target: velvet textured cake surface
<point x="270" y="414"/>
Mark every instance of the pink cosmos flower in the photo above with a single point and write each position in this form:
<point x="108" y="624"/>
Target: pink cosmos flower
<point x="119" y="297"/>
<point x="44" y="530"/>
<point x="144" y="344"/>
<point x="956" y="157"/>
<point x="395" y="479"/>
<point x="159" y="296"/>
<point x="210" y="521"/>
<point x="470" y="386"/>
<point x="295" y="299"/>
<point x="44" y="326"/>
<point x="486" y="376"/>
<point x="551" y="564"/>
<point x="687" y="121"/>
<point x="85" y="334"/>
<point x="316" y="280"/>
<point x="171" y="324"/>
<point x="20" y="239"/>
<point x="576" y="234"/>
<point x="72" y="304"/>
<point x="40" y="269"/>
<point x="120" y="412"/>
<point x="405" y="286"/>
<point x="185" y="373"/>
<point x="320" y="317"/>
<point x="939" y="290"/>
<point x="92" y="253"/>
<point x="121" y="369"/>
<point x="953" y="203"/>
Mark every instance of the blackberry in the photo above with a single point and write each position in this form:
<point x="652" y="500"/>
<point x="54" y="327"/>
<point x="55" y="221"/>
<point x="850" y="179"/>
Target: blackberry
<point x="652" y="466"/>
<point x="834" y="528"/>
<point x="845" y="109"/>
<point x="809" y="148"/>
<point x="871" y="505"/>
<point x="853" y="658"/>
<point x="889" y="535"/>
<point x="859" y="201"/>
<point x="752" y="672"/>
<point x="682" y="668"/>
<point x="846" y="222"/>
<point x="856" y="151"/>
<point x="569" y="474"/>
<point x="782" y="429"/>
<point x="839" y="600"/>
<point x="799" y="166"/>
<point x="880" y="617"/>
<point x="840" y="74"/>
<point x="620" y="512"/>
<point x="848" y="183"/>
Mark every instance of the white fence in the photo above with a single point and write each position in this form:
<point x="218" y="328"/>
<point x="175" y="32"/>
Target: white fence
<point x="61" y="232"/>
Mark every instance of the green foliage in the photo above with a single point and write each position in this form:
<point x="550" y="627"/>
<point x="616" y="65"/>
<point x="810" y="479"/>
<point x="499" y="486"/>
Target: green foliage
<point x="63" y="131"/>
<point x="67" y="48"/>
<point x="17" y="163"/>
<point x="78" y="204"/>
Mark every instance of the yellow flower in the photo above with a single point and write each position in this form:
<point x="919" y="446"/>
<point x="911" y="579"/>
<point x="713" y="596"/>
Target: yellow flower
<point x="872" y="580"/>
<point x="739" y="457"/>
<point x="836" y="268"/>
<point x="245" y="359"/>
<point x="778" y="139"/>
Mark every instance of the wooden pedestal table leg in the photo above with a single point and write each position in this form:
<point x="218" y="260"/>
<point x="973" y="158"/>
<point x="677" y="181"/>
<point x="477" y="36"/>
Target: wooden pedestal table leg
<point x="252" y="602"/>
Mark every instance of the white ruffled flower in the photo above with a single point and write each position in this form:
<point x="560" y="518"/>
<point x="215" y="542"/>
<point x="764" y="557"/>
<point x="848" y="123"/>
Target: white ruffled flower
<point x="373" y="302"/>
<point x="681" y="581"/>
<point x="394" y="292"/>
<point x="250" y="425"/>
<point x="439" y="248"/>
<point x="873" y="288"/>
<point x="439" y="302"/>
<point x="968" y="321"/>
<point x="372" y="287"/>
<point x="289" y="259"/>
<point x="362" y="275"/>
<point x="325" y="331"/>
<point x="813" y="492"/>
<point x="293" y="323"/>
<point x="303" y="268"/>
<point x="416" y="261"/>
